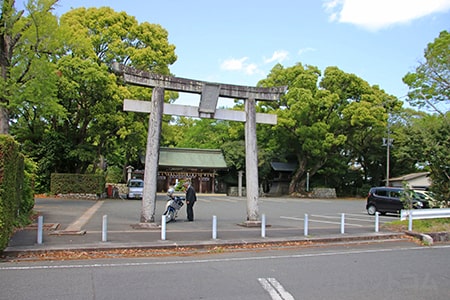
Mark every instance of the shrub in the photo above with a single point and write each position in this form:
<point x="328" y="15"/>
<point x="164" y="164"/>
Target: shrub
<point x="16" y="188"/>
<point x="77" y="183"/>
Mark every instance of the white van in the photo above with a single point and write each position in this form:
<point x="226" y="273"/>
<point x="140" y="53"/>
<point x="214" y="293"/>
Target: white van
<point x="135" y="188"/>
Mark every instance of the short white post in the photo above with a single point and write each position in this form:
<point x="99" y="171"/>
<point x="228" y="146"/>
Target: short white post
<point x="40" y="229"/>
<point x="263" y="225"/>
<point x="214" y="227"/>
<point x="410" y="220"/>
<point x="105" y="228"/>
<point x="377" y="221"/>
<point x="305" y="230"/>
<point x="163" y="227"/>
<point x="342" y="223"/>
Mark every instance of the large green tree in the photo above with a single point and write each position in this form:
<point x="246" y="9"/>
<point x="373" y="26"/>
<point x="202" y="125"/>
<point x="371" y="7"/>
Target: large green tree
<point x="334" y="117"/>
<point x="426" y="142"/>
<point x="93" y="129"/>
<point x="28" y="44"/>
<point x="103" y="36"/>
<point x="430" y="83"/>
<point x="428" y="139"/>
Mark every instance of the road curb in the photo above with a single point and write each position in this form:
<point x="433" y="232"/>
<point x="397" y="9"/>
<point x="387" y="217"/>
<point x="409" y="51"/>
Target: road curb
<point x="210" y="244"/>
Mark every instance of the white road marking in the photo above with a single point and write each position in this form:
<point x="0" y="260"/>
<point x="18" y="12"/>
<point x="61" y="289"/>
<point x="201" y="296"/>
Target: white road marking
<point x="318" y="221"/>
<point x="81" y="221"/>
<point x="369" y="218"/>
<point x="220" y="260"/>
<point x="216" y="199"/>
<point x="275" y="289"/>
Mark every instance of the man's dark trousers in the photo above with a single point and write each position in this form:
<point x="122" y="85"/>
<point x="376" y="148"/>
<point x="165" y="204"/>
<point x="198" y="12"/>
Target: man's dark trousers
<point x="191" y="197"/>
<point x="190" y="211"/>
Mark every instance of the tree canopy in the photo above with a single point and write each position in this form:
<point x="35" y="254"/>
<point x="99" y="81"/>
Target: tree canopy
<point x="428" y="138"/>
<point x="87" y="129"/>
<point x="336" y="117"/>
<point x="60" y="100"/>
<point x="429" y="85"/>
<point x="29" y="43"/>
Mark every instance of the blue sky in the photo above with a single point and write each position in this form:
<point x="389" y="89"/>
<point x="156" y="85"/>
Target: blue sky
<point x="238" y="42"/>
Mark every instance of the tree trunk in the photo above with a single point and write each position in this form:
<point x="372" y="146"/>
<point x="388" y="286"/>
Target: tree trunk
<point x="297" y="175"/>
<point x="295" y="179"/>
<point x="4" y="120"/>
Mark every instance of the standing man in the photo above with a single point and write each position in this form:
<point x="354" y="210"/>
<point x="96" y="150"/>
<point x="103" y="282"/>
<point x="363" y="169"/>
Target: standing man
<point x="191" y="197"/>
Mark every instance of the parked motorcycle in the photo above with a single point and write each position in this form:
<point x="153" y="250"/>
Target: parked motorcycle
<point x="173" y="205"/>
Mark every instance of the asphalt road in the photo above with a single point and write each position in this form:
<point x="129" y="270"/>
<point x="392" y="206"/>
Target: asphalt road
<point x="388" y="270"/>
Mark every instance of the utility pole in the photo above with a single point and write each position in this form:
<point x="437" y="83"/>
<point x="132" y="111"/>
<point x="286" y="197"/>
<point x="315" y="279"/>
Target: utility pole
<point x="388" y="142"/>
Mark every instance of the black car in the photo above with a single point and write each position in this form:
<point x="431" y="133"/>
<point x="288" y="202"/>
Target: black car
<point x="389" y="199"/>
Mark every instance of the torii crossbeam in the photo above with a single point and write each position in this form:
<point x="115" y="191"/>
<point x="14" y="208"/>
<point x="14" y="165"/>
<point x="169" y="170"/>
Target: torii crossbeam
<point x="210" y="92"/>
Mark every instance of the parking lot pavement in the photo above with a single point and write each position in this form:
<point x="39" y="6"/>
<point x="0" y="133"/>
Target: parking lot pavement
<point x="80" y="224"/>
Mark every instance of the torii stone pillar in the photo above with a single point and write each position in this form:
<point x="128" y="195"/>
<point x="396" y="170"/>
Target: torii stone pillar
<point x="152" y="156"/>
<point x="251" y="161"/>
<point x="210" y="92"/>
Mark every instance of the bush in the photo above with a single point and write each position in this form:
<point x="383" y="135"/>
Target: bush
<point x="77" y="183"/>
<point x="16" y="188"/>
<point x="114" y="174"/>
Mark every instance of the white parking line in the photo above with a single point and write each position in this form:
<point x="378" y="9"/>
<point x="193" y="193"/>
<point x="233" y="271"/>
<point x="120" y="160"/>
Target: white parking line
<point x="319" y="221"/>
<point x="81" y="221"/>
<point x="339" y="217"/>
<point x="368" y="218"/>
<point x="216" y="199"/>
<point x="262" y="200"/>
<point x="275" y="289"/>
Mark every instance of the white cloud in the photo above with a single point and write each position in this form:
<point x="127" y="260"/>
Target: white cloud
<point x="278" y="56"/>
<point x="377" y="14"/>
<point x="233" y="64"/>
<point x="240" y="64"/>
<point x="243" y="65"/>
<point x="251" y="69"/>
<point x="304" y="50"/>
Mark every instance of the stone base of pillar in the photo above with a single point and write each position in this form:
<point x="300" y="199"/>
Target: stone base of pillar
<point x="252" y="224"/>
<point x="151" y="225"/>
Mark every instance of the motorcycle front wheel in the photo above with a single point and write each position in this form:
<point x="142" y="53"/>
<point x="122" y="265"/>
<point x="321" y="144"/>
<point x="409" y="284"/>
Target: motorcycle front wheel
<point x="170" y="215"/>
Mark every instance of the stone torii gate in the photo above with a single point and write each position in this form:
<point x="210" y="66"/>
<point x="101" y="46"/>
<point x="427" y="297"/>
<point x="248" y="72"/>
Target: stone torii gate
<point x="210" y="92"/>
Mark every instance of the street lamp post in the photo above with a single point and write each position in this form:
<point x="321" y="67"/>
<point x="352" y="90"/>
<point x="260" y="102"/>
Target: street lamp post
<point x="387" y="142"/>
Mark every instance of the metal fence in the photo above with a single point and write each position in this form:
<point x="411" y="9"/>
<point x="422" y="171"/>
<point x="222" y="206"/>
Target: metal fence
<point x="416" y="214"/>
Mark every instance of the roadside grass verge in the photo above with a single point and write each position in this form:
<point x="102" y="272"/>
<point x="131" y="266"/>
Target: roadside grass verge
<point x="423" y="226"/>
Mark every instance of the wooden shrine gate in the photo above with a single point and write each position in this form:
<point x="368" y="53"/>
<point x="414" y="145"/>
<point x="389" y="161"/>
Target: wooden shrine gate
<point x="210" y="93"/>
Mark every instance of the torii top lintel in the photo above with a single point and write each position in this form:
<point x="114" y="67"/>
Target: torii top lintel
<point x="143" y="78"/>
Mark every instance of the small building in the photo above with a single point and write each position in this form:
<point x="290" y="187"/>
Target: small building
<point x="281" y="178"/>
<point x="201" y="166"/>
<point x="419" y="181"/>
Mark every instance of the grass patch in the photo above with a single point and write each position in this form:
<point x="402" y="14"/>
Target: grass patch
<point x="423" y="226"/>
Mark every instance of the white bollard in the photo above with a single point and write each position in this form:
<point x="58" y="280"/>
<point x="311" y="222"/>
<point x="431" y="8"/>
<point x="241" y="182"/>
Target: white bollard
<point x="105" y="228"/>
<point x="342" y="223"/>
<point x="163" y="227"/>
<point x="410" y="220"/>
<point x="263" y="226"/>
<point x="40" y="229"/>
<point x="305" y="230"/>
<point x="214" y="227"/>
<point x="377" y="221"/>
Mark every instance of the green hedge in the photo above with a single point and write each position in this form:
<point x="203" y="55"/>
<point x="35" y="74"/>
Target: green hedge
<point x="77" y="183"/>
<point x="16" y="192"/>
